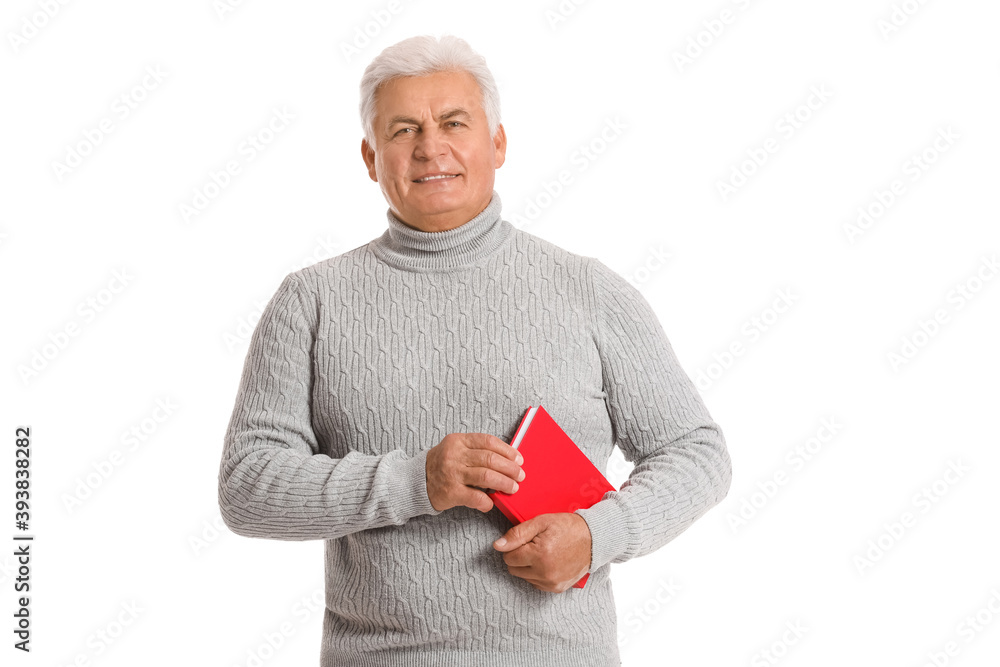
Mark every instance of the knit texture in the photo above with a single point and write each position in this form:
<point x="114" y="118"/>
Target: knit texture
<point x="363" y="362"/>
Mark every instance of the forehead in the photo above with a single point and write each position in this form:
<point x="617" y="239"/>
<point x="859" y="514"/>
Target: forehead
<point x="434" y="91"/>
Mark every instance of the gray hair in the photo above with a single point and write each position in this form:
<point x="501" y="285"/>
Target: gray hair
<point x="420" y="56"/>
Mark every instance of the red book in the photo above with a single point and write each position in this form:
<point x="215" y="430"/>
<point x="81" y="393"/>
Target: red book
<point x="558" y="476"/>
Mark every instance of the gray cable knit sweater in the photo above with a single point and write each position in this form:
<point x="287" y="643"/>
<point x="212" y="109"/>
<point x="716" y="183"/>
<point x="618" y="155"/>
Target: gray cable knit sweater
<point x="363" y="362"/>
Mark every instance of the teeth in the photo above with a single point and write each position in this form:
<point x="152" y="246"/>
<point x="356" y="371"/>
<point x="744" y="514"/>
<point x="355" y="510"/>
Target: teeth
<point x="434" y="178"/>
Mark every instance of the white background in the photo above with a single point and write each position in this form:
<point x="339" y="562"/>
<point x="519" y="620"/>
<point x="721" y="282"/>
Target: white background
<point x="149" y="536"/>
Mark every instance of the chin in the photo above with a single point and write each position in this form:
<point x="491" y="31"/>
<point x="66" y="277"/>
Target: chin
<point x="436" y="200"/>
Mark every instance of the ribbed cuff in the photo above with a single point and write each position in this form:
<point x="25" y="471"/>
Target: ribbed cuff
<point x="611" y="531"/>
<point x="412" y="490"/>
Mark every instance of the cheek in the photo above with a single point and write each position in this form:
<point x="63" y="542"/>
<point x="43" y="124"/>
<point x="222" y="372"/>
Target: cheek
<point x="391" y="165"/>
<point x="478" y="162"/>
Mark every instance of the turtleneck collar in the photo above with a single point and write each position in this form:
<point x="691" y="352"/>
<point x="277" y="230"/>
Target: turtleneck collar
<point x="408" y="248"/>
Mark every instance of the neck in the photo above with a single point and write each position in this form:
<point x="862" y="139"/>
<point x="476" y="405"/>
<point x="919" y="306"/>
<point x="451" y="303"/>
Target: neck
<point x="405" y="247"/>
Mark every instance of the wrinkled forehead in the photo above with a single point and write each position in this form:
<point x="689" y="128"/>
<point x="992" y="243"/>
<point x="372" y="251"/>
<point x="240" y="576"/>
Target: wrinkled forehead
<point x="449" y="89"/>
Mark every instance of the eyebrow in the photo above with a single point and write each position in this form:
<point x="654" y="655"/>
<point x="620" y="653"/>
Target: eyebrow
<point x="447" y="115"/>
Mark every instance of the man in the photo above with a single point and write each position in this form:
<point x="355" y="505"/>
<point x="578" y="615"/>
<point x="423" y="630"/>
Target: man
<point x="381" y="384"/>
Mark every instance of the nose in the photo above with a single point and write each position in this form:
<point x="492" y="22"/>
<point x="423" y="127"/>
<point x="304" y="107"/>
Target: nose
<point x="430" y="144"/>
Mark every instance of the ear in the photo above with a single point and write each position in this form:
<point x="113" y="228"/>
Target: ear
<point x="368" y="155"/>
<point x="500" y="146"/>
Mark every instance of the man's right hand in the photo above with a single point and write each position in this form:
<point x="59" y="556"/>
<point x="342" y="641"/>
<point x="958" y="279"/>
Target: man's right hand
<point x="463" y="461"/>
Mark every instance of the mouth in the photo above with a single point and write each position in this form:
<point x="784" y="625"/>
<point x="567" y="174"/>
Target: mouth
<point x="430" y="178"/>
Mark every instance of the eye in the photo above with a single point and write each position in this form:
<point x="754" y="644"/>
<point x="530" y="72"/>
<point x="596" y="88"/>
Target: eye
<point x="403" y="130"/>
<point x="454" y="122"/>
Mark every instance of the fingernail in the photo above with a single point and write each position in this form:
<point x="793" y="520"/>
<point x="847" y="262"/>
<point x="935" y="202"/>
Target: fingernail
<point x="515" y="487"/>
<point x="520" y="476"/>
<point x="499" y="543"/>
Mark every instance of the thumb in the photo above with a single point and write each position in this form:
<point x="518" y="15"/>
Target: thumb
<point x="518" y="536"/>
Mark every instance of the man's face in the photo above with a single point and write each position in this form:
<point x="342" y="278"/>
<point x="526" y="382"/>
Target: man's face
<point x="429" y="126"/>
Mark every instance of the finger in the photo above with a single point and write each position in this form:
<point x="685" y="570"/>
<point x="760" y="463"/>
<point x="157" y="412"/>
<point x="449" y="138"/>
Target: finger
<point x="492" y="443"/>
<point x="525" y="556"/>
<point x="476" y="499"/>
<point x="519" y="535"/>
<point x="488" y="478"/>
<point x="490" y="460"/>
<point x="539" y="583"/>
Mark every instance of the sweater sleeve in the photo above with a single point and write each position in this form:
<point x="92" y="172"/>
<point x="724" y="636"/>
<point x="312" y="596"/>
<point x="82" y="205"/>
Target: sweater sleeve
<point x="273" y="482"/>
<point x="682" y="466"/>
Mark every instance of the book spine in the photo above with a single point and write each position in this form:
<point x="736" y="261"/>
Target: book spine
<point x="519" y="425"/>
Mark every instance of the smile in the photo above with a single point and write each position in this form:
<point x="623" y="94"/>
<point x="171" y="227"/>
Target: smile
<point x="435" y="178"/>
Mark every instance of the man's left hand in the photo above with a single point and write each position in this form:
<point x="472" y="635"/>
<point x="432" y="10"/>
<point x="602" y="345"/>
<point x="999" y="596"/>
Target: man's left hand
<point x="549" y="551"/>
